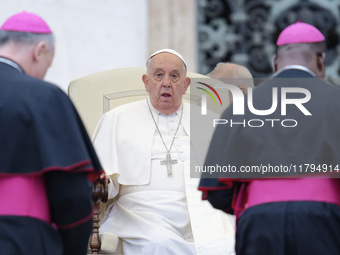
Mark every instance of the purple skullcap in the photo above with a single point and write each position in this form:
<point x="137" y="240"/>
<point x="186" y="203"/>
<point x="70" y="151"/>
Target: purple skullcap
<point x="299" y="32"/>
<point x="26" y="22"/>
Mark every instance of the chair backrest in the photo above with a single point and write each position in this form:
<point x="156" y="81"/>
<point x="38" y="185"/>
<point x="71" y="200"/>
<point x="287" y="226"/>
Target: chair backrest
<point x="97" y="93"/>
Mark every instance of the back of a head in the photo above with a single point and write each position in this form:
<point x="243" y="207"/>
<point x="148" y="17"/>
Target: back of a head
<point x="25" y="28"/>
<point x="301" y="44"/>
<point x="233" y="74"/>
<point x="27" y="40"/>
<point x="300" y="53"/>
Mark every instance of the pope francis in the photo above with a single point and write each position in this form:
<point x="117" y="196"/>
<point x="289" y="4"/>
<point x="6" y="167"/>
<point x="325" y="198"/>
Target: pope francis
<point x="144" y="147"/>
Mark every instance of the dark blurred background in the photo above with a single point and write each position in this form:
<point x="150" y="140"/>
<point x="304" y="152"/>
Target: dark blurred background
<point x="245" y="31"/>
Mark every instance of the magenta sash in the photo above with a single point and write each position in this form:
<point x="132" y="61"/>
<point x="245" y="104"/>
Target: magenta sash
<point x="24" y="196"/>
<point x="278" y="190"/>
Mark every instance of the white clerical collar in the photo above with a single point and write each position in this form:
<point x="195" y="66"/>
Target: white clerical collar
<point x="12" y="64"/>
<point x="155" y="112"/>
<point x="298" y="67"/>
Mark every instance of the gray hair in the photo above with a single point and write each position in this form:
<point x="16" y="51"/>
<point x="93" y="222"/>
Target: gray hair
<point x="26" y="38"/>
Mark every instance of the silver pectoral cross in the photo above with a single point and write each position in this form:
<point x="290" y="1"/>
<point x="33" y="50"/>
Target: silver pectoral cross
<point x="169" y="162"/>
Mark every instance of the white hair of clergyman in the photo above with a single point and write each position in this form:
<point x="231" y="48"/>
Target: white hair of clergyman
<point x="26" y="38"/>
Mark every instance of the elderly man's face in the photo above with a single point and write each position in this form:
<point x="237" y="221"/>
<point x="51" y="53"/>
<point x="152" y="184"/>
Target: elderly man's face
<point x="166" y="82"/>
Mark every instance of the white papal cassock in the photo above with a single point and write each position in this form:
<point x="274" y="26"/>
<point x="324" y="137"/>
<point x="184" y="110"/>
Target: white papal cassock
<point x="156" y="213"/>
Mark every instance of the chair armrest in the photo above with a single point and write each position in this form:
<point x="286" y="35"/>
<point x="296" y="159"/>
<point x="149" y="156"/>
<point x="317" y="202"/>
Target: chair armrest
<point x="99" y="194"/>
<point x="111" y="244"/>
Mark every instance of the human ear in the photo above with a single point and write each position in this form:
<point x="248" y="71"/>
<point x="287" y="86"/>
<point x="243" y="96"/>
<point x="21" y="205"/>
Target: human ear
<point x="38" y="50"/>
<point x="145" y="80"/>
<point x="320" y="63"/>
<point x="274" y="62"/>
<point x="186" y="84"/>
<point x="244" y="89"/>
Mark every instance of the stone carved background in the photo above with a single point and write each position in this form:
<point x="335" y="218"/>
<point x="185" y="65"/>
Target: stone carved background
<point x="245" y="31"/>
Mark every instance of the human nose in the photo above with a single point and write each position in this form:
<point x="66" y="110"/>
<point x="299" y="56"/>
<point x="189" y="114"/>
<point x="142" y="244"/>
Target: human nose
<point x="166" y="81"/>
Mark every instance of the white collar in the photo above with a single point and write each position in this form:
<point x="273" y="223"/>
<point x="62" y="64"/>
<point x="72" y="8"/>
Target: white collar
<point x="298" y="67"/>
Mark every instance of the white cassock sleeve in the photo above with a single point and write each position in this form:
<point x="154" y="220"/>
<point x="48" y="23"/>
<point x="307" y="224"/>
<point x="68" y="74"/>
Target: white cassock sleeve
<point x="102" y="141"/>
